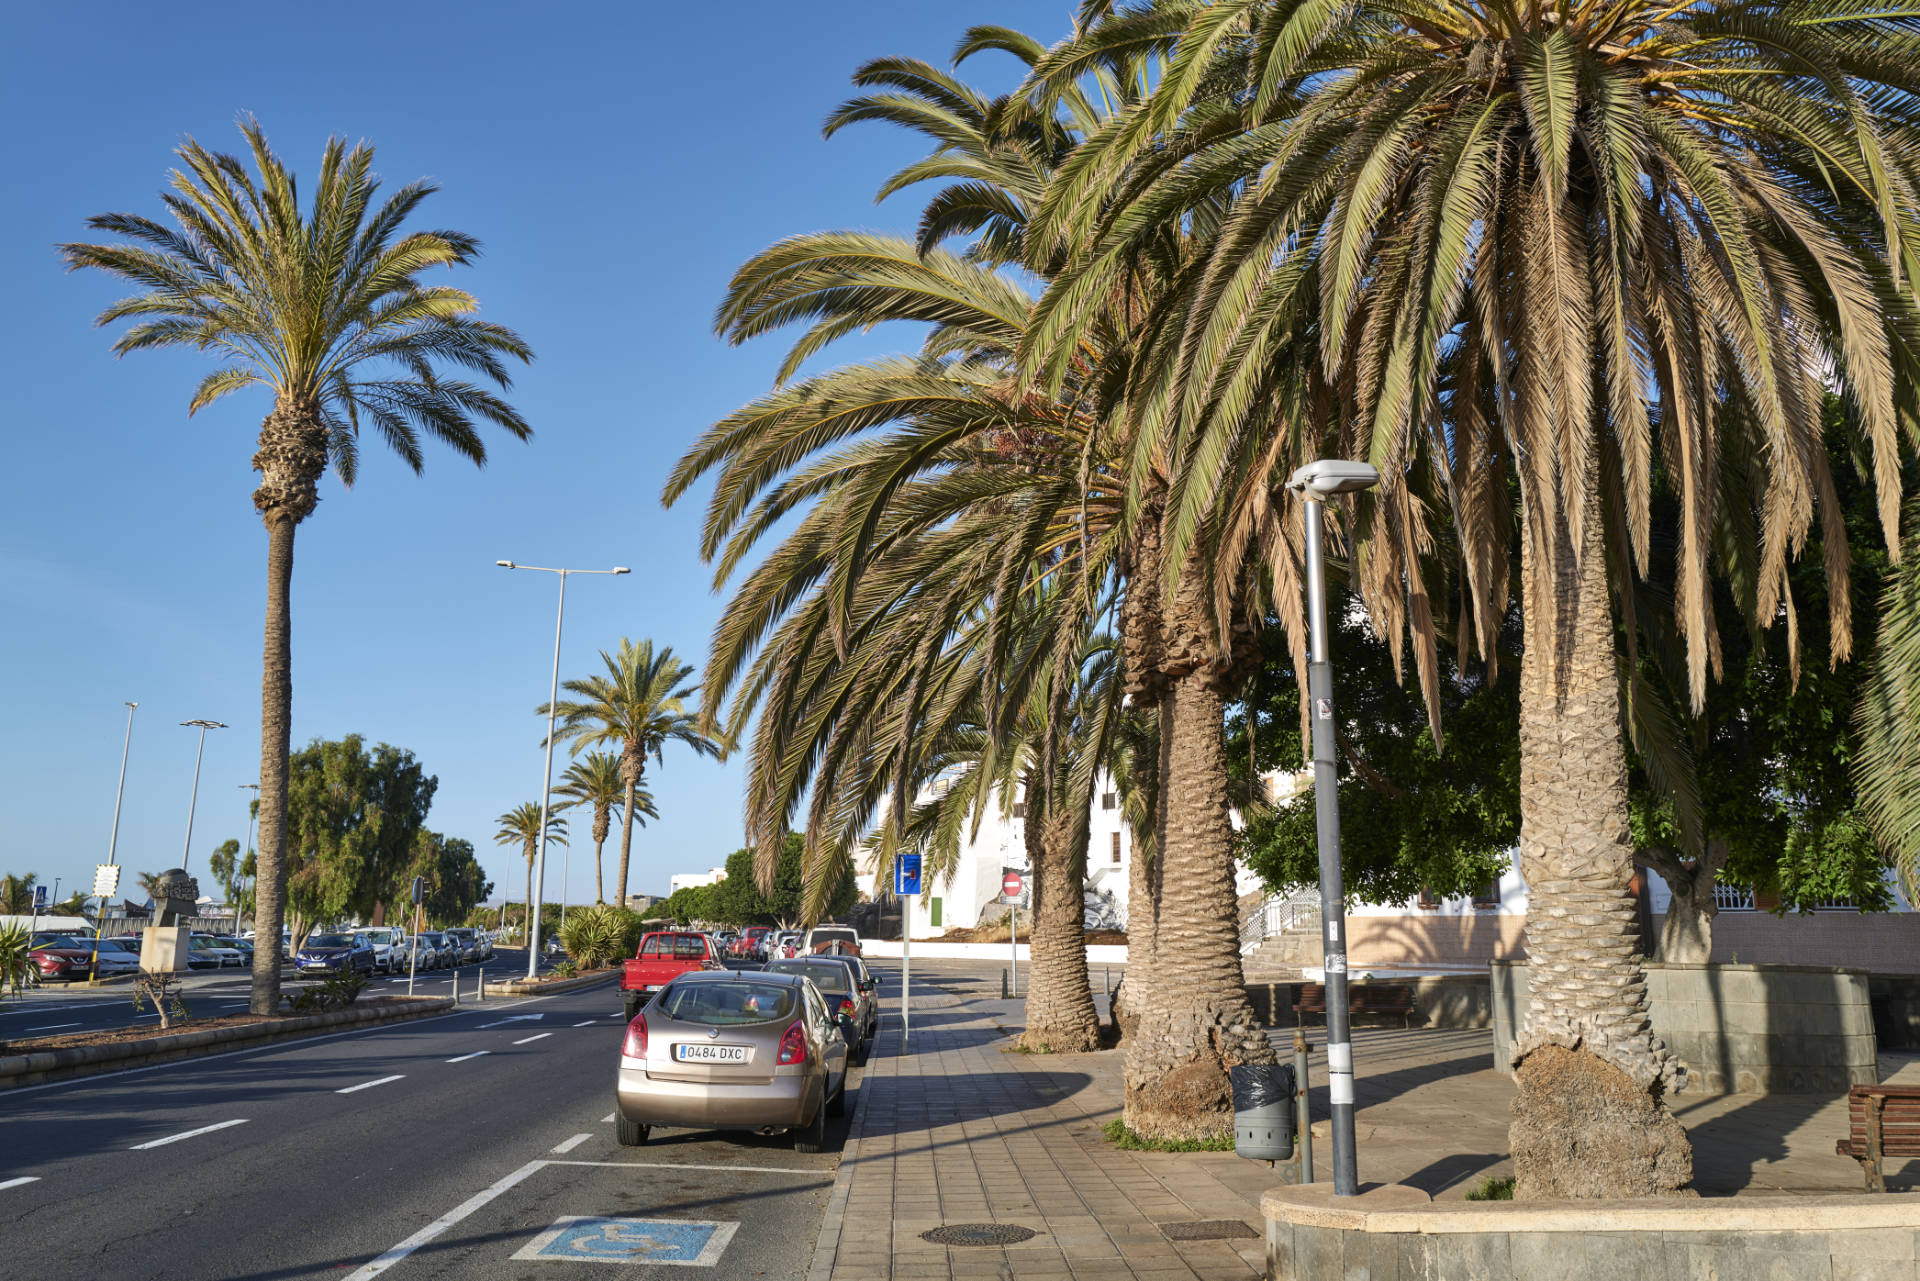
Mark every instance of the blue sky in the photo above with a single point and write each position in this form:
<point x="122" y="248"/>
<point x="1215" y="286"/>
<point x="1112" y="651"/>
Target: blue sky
<point x="618" y="162"/>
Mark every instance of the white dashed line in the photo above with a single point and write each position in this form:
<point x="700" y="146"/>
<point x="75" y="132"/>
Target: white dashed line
<point x="175" y="1138"/>
<point x="368" y="1085"/>
<point x="31" y="1178"/>
<point x="50" y="1027"/>
<point x="464" y="1057"/>
<point x="588" y="1023"/>
<point x="571" y="1143"/>
<point x="538" y="1036"/>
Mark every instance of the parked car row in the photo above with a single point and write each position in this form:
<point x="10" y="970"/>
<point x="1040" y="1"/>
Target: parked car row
<point x="384" y="949"/>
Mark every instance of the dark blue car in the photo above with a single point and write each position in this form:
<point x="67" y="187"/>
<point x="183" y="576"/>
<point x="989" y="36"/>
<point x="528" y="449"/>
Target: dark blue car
<point x="327" y="953"/>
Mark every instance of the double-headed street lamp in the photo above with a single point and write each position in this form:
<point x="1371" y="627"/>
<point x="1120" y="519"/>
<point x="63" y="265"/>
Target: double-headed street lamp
<point x="1317" y="482"/>
<point x="546" y="785"/>
<point x="194" y="799"/>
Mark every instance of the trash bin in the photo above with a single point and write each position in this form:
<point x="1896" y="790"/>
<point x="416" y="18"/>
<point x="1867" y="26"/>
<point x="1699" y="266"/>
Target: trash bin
<point x="1262" y="1110"/>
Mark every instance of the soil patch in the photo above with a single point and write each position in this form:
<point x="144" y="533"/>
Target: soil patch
<point x="148" y="1029"/>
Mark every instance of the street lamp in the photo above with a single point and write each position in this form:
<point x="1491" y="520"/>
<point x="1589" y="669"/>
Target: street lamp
<point x="194" y="799"/>
<point x="546" y="786"/>
<point x="1315" y="483"/>
<point x="248" y="849"/>
<point x="113" y="843"/>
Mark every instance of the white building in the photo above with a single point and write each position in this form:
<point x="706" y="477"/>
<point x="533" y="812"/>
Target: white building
<point x="687" y="880"/>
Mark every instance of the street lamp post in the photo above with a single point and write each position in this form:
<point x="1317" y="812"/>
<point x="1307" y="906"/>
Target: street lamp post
<point x="194" y="799"/>
<point x="113" y="844"/>
<point x="1315" y="483"/>
<point x="546" y="786"/>
<point x="247" y="849"/>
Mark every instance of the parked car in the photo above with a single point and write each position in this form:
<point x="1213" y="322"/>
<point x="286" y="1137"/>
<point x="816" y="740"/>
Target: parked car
<point x="469" y="942"/>
<point x="242" y="946"/>
<point x="733" y="1051"/>
<point x="662" y="957"/>
<point x="206" y="945"/>
<point x="418" y="954"/>
<point x="386" y="941"/>
<point x="846" y="995"/>
<point x="752" y="944"/>
<point x="330" y="953"/>
<point x="61" y="956"/>
<point x="785" y="945"/>
<point x="837" y="938"/>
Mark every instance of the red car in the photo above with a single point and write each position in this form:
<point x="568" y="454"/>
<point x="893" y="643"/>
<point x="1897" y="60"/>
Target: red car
<point x="663" y="956"/>
<point x="752" y="943"/>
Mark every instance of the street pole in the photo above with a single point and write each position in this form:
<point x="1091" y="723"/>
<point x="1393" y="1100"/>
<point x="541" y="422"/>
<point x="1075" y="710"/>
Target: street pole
<point x="252" y="814"/>
<point x="1315" y="483"/>
<point x="1013" y="949"/>
<point x="113" y="844"/>
<point x="193" y="799"/>
<point x="906" y="975"/>
<point x="546" y="785"/>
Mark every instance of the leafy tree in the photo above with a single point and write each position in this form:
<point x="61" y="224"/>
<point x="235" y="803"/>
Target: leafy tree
<point x="596" y="782"/>
<point x="521" y="826"/>
<point x="738" y="900"/>
<point x="352" y="819"/>
<point x="454" y="881"/>
<point x="689" y="904"/>
<point x="643" y="702"/>
<point x="234" y="871"/>
<point x="327" y="310"/>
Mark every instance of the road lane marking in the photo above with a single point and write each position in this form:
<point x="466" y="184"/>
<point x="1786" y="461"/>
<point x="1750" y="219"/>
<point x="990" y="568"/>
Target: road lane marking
<point x="572" y="1143"/>
<point x="608" y="1118"/>
<point x="441" y="1224"/>
<point x="688" y="1165"/>
<point x="464" y="1057"/>
<point x="538" y="1036"/>
<point x="48" y="1027"/>
<point x="190" y="1134"/>
<point x="368" y="1085"/>
<point x="55" y="1009"/>
<point x="588" y="1023"/>
<point x="14" y="1183"/>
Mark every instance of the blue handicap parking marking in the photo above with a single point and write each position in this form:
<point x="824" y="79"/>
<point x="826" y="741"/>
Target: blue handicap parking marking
<point x="674" y="1242"/>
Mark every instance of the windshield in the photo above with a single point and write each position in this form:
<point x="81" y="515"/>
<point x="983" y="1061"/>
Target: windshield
<point x="828" y="978"/>
<point x="329" y="940"/>
<point x="722" y="1004"/>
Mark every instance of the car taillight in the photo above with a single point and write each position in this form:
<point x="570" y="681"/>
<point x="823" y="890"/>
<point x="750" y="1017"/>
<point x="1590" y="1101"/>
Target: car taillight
<point x="846" y="1007"/>
<point x="793" y="1046"/>
<point x="635" y="1046"/>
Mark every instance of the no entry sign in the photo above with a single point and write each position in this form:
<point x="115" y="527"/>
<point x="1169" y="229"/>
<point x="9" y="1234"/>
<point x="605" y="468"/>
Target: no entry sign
<point x="1011" y="885"/>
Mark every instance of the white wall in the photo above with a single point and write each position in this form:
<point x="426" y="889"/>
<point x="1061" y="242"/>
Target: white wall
<point x="684" y="880"/>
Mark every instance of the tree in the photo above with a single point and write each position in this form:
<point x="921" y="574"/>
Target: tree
<point x="78" y="903"/>
<point x="596" y="782"/>
<point x="149" y="883"/>
<point x="327" y="310"/>
<point x="690" y="903"/>
<point x="1504" y="251"/>
<point x="454" y="881"/>
<point x="234" y="870"/>
<point x="521" y="826"/>
<point x="642" y="703"/>
<point x="352" y="818"/>
<point x="738" y="900"/>
<point x="16" y="893"/>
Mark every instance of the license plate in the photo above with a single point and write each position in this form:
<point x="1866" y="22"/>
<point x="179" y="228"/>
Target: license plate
<point x="700" y="1053"/>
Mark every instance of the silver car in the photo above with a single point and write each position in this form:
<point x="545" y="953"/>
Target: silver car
<point x="734" y="1050"/>
<point x="849" y="991"/>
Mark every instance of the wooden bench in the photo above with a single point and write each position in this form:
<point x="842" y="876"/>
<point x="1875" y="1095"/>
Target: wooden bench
<point x="1362" y="998"/>
<point x="1882" y="1121"/>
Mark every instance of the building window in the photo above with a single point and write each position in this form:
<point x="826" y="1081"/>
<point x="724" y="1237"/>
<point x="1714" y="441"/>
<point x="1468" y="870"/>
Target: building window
<point x="1487" y="894"/>
<point x="1116" y="847"/>
<point x="1019" y="809"/>
<point x="1429" y="901"/>
<point x="933" y="913"/>
<point x="1108" y="800"/>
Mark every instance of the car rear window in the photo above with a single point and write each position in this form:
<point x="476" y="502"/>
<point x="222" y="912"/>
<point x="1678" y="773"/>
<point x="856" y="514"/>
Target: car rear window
<point x="724" y="1004"/>
<point x="828" y="978"/>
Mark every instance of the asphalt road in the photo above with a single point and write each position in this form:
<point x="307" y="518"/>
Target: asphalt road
<point x="56" y="1008"/>
<point x="439" y="1148"/>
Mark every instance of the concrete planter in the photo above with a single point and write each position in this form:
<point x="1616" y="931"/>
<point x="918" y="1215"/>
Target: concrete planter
<point x="1396" y="1232"/>
<point x="550" y="987"/>
<point x="87" y="1060"/>
<point x="1740" y="1029"/>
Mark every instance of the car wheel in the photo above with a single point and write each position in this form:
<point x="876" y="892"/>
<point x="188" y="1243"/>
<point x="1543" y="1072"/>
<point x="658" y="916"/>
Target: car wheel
<point x="630" y="1001"/>
<point x="632" y="1134"/>
<point x="812" y="1136"/>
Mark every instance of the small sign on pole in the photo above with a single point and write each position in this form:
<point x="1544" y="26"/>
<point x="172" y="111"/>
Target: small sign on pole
<point x="42" y="897"/>
<point x="106" y="880"/>
<point x="1010" y="887"/>
<point x="1011" y="884"/>
<point x="419" y="888"/>
<point x="906" y="883"/>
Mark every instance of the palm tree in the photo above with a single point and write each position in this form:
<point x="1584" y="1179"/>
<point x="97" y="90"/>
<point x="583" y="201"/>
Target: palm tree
<point x="521" y="826"/>
<point x="326" y="309"/>
<point x="149" y="883"/>
<point x="16" y="893"/>
<point x="641" y="703"/>
<point x="596" y="781"/>
<point x="1568" y="253"/>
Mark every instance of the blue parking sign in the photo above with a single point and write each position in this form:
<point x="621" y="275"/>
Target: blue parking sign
<point x="590" y="1239"/>
<point x="906" y="874"/>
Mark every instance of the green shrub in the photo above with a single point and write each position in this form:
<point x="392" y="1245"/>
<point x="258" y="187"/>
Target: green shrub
<point x="1492" y="1189"/>
<point x="596" y="937"/>
<point x="1127" y="1141"/>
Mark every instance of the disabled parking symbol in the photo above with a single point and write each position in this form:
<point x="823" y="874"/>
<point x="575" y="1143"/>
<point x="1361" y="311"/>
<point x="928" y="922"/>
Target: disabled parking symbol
<point x="689" y="1243"/>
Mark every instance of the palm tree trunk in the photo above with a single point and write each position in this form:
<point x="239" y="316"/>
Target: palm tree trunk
<point x="1143" y="907"/>
<point x="599" y="869"/>
<point x="626" y="841"/>
<point x="1060" y="1014"/>
<point x="1590" y="1119"/>
<point x="276" y="737"/>
<point x="1195" y="1021"/>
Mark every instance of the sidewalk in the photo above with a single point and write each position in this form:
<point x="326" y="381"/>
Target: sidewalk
<point x="962" y="1131"/>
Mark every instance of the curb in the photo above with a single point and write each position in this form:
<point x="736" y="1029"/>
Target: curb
<point x="826" y="1246"/>
<point x="44" y="1066"/>
<point x="520" y="987"/>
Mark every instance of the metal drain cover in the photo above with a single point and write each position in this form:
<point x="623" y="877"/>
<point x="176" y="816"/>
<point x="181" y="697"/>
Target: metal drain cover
<point x="979" y="1234"/>
<point x="1210" y="1230"/>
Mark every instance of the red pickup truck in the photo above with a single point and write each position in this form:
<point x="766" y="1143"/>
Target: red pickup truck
<point x="662" y="958"/>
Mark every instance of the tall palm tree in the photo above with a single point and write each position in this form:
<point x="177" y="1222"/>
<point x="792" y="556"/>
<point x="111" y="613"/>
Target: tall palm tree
<point x="326" y="309"/>
<point x="521" y="826"/>
<point x="643" y="702"/>
<point x="596" y="781"/>
<point x="1564" y="252"/>
<point x="16" y="893"/>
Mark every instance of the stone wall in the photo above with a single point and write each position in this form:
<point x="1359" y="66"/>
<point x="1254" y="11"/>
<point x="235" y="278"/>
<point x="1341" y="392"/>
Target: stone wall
<point x="1740" y="1029"/>
<point x="1395" y="1234"/>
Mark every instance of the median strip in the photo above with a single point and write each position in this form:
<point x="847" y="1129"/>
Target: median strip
<point x="538" y="1036"/>
<point x="368" y="1085"/>
<point x="190" y="1134"/>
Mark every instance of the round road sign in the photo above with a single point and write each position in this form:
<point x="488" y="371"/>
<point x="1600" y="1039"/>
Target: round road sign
<point x="1011" y="885"/>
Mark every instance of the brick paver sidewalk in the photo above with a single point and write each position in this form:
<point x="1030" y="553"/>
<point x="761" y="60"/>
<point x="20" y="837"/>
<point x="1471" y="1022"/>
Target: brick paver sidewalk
<point x="962" y="1131"/>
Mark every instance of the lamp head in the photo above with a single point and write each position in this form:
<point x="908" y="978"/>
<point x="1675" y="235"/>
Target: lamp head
<point x="504" y="564"/>
<point x="1325" y="477"/>
<point x="621" y="569"/>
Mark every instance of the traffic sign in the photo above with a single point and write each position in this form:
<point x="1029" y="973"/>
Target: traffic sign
<point x="1011" y="885"/>
<point x="419" y="887"/>
<point x="906" y="874"/>
<point x="42" y="896"/>
<point x="106" y="879"/>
